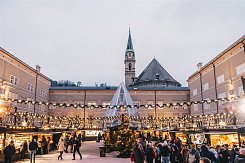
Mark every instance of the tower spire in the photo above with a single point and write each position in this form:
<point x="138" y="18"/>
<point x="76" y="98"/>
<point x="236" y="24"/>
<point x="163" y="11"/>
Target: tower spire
<point x="130" y="44"/>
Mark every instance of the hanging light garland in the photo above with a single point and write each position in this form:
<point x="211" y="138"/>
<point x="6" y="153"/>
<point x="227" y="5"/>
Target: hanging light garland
<point x="174" y="105"/>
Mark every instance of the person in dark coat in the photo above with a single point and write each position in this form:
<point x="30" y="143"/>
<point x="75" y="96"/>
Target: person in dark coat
<point x="150" y="154"/>
<point x="138" y="153"/>
<point x="224" y="154"/>
<point x="158" y="152"/>
<point x="206" y="153"/>
<point x="23" y="150"/>
<point x="8" y="152"/>
<point x="165" y="152"/>
<point x="76" y="148"/>
<point x="241" y="157"/>
<point x="234" y="153"/>
<point x="99" y="137"/>
<point x="175" y="153"/>
<point x="43" y="145"/>
<point x="33" y="150"/>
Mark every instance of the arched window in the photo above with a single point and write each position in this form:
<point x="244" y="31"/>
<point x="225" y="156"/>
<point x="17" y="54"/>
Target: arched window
<point x="129" y="66"/>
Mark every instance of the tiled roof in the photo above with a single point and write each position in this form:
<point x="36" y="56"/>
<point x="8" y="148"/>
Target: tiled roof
<point x="153" y="69"/>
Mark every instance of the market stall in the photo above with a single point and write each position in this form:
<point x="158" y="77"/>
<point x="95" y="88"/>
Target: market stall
<point x="221" y="137"/>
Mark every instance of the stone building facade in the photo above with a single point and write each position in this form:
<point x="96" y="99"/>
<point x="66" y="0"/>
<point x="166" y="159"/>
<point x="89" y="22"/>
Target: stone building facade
<point x="20" y="81"/>
<point x="103" y="96"/>
<point x="219" y="78"/>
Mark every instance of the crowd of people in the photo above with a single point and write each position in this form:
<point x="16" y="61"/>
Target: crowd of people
<point x="9" y="151"/>
<point x="70" y="144"/>
<point x="173" y="151"/>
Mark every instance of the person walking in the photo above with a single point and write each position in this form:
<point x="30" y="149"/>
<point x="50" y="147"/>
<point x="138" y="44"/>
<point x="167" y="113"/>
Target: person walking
<point x="23" y="150"/>
<point x="77" y="145"/>
<point x="138" y="153"/>
<point x="33" y="150"/>
<point x="61" y="148"/>
<point x="99" y="137"/>
<point x="8" y="152"/>
<point x="150" y="154"/>
<point x="165" y="152"/>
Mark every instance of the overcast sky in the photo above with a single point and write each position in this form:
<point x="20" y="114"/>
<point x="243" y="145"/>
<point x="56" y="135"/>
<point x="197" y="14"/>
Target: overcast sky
<point x="86" y="40"/>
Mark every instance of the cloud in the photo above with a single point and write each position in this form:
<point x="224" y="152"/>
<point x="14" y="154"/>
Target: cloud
<point x="86" y="41"/>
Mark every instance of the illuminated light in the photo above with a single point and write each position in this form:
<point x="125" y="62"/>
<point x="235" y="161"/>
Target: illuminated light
<point x="24" y="123"/>
<point x="222" y="123"/>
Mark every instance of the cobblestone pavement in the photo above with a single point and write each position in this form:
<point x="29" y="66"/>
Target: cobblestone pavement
<point x="89" y="151"/>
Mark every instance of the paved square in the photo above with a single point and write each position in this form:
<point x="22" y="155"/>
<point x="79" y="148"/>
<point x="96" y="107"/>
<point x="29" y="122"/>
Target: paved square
<point x="89" y="151"/>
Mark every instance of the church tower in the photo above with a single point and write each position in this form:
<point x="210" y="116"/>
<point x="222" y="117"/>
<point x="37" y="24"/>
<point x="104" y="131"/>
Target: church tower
<point x="129" y="62"/>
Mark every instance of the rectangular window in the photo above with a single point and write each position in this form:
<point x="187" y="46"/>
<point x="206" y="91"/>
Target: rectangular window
<point x="195" y="108"/>
<point x="14" y="80"/>
<point x="206" y="105"/>
<point x="240" y="69"/>
<point x="91" y="103"/>
<point x="29" y="104"/>
<point x="194" y="92"/>
<point x="205" y="86"/>
<point x="106" y="103"/>
<point x="220" y="79"/>
<point x="136" y="103"/>
<point x="220" y="96"/>
<point x="42" y="108"/>
<point x="30" y="87"/>
<point x="42" y="92"/>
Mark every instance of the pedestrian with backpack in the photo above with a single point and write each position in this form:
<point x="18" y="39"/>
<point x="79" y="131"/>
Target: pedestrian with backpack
<point x="193" y="155"/>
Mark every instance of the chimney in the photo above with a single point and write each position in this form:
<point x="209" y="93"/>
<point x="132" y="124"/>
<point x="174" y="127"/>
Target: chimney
<point x="199" y="66"/>
<point x="38" y="68"/>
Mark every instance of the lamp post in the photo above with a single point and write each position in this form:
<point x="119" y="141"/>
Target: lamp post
<point x="155" y="97"/>
<point x="35" y="95"/>
<point x="84" y="112"/>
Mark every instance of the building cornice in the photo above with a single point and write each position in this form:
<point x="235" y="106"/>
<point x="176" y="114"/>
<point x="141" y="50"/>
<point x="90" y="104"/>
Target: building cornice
<point x="23" y="63"/>
<point x="240" y="40"/>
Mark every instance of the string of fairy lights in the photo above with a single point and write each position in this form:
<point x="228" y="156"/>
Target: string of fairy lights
<point x="77" y="119"/>
<point x="159" y="106"/>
